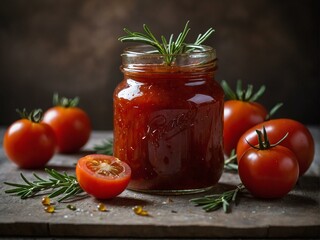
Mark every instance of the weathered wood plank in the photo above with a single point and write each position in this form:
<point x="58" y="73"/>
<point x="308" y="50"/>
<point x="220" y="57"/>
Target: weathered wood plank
<point x="296" y="215"/>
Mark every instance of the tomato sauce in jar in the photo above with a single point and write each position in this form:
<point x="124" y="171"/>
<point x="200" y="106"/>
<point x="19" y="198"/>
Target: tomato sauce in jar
<point x="168" y="121"/>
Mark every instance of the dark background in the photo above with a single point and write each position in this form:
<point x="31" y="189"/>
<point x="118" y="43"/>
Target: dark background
<point x="71" y="47"/>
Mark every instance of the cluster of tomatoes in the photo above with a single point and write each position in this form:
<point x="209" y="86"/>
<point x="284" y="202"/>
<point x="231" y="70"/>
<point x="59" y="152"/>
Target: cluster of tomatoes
<point x="267" y="168"/>
<point x="32" y="141"/>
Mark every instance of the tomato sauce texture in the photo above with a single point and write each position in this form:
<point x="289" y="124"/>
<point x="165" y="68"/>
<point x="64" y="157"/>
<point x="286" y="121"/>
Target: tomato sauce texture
<point x="168" y="123"/>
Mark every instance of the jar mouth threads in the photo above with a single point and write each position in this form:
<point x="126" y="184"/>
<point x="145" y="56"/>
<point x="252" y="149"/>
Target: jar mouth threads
<point x="145" y="54"/>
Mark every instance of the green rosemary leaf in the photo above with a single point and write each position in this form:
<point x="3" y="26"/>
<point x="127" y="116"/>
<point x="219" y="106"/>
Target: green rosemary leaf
<point x="211" y="207"/>
<point x="16" y="185"/>
<point x="25" y="194"/>
<point x="231" y="166"/>
<point x="182" y="36"/>
<point x="225" y="204"/>
<point x="14" y="190"/>
<point x="57" y="192"/>
<point x="77" y="190"/>
<point x="39" y="178"/>
<point x="231" y="162"/>
<point x="55" y="175"/>
<point x="24" y="179"/>
<point x="149" y="33"/>
<point x="106" y="147"/>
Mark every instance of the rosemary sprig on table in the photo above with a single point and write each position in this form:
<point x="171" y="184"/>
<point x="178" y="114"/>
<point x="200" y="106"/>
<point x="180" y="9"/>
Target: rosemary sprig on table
<point x="165" y="47"/>
<point x="58" y="184"/>
<point x="106" y="147"/>
<point x="216" y="201"/>
<point x="231" y="162"/>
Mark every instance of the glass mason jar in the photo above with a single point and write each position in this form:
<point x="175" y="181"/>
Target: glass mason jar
<point x="168" y="120"/>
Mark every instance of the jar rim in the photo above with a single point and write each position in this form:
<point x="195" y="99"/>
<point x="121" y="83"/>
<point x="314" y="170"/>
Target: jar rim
<point x="138" y="50"/>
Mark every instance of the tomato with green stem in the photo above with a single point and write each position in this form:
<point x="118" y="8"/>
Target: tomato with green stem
<point x="299" y="140"/>
<point x="241" y="112"/>
<point x="71" y="124"/>
<point x="268" y="171"/>
<point x="103" y="176"/>
<point x="28" y="142"/>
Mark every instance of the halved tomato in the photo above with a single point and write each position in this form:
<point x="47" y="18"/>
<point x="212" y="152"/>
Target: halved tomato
<point x="102" y="176"/>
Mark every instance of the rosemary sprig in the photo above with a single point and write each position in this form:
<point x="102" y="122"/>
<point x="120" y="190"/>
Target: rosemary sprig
<point x="216" y="201"/>
<point x="165" y="47"/>
<point x="231" y="162"/>
<point x="58" y="184"/>
<point x="106" y="147"/>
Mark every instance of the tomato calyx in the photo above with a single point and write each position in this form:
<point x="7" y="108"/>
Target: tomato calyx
<point x="273" y="110"/>
<point x="263" y="140"/>
<point x="65" y="102"/>
<point x="246" y="95"/>
<point x="34" y="116"/>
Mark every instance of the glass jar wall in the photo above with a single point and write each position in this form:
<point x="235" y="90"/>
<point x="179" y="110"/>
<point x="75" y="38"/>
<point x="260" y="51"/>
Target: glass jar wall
<point x="168" y="120"/>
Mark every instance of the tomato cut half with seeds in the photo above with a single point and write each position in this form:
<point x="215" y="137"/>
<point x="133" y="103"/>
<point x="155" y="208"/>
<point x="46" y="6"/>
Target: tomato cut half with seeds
<point x="102" y="176"/>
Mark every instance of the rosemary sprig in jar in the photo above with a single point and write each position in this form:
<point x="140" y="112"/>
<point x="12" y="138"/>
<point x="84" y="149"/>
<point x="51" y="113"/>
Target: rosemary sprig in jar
<point x="63" y="185"/>
<point x="168" y="48"/>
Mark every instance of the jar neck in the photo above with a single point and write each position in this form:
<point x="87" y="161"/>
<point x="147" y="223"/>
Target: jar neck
<point x="143" y="59"/>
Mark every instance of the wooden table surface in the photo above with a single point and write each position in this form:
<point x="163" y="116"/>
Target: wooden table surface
<point x="294" y="216"/>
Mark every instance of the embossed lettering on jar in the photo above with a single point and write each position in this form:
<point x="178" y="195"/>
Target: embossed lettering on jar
<point x="168" y="121"/>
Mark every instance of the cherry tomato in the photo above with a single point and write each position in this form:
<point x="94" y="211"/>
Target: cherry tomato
<point x="241" y="112"/>
<point x="29" y="144"/>
<point x="299" y="140"/>
<point x="239" y="116"/>
<point x="102" y="176"/>
<point x="269" y="173"/>
<point x="71" y="125"/>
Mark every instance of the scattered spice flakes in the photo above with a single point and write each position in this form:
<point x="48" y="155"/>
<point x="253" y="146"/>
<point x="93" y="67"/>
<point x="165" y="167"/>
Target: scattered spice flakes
<point x="71" y="207"/>
<point x="168" y="200"/>
<point x="138" y="210"/>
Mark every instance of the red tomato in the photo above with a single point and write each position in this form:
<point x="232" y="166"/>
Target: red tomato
<point x="239" y="116"/>
<point x="29" y="144"/>
<point x="71" y="125"/>
<point x="299" y="140"/>
<point x="269" y="173"/>
<point x="102" y="176"/>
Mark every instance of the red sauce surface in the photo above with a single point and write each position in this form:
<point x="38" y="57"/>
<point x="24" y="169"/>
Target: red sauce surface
<point x="168" y="128"/>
